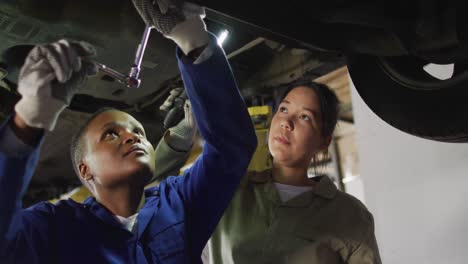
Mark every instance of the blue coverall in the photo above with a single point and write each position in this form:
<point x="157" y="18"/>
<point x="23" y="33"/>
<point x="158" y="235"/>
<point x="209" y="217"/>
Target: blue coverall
<point x="179" y="215"/>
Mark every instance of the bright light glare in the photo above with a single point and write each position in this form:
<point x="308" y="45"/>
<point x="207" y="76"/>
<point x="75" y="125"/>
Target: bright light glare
<point x="222" y="37"/>
<point x="440" y="71"/>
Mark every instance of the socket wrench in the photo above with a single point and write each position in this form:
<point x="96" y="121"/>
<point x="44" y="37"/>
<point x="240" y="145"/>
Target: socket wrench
<point x="131" y="80"/>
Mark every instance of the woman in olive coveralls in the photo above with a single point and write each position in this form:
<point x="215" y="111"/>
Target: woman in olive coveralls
<point x="282" y="216"/>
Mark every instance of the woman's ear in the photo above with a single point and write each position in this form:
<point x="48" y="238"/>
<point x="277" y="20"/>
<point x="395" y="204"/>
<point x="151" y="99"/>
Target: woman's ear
<point x="85" y="172"/>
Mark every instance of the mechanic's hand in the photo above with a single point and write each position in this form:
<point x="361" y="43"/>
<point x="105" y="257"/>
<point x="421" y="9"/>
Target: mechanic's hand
<point x="51" y="75"/>
<point x="177" y="20"/>
<point x="181" y="136"/>
<point x="169" y="103"/>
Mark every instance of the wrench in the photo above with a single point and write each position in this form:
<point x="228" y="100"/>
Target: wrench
<point x="120" y="77"/>
<point x="136" y="68"/>
<point x="131" y="80"/>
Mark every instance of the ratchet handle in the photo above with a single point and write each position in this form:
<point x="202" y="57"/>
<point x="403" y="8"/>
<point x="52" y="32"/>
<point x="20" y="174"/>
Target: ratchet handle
<point x="136" y="68"/>
<point x="131" y="80"/>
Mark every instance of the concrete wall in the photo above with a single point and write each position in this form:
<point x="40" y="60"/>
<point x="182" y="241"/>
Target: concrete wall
<point x="417" y="190"/>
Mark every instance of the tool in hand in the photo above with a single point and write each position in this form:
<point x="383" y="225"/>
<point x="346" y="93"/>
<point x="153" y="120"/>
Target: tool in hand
<point x="131" y="80"/>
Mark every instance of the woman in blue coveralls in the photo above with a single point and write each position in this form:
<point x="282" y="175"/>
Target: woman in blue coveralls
<point x="123" y="223"/>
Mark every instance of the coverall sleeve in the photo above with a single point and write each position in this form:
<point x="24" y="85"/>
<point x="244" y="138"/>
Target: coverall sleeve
<point x="222" y="118"/>
<point x="168" y="161"/>
<point x="368" y="251"/>
<point x="23" y="233"/>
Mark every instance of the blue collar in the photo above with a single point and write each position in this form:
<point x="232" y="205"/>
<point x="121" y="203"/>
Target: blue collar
<point x="144" y="215"/>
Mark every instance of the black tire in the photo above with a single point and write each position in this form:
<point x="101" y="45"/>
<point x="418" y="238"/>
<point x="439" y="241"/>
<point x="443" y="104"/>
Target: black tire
<point x="427" y="108"/>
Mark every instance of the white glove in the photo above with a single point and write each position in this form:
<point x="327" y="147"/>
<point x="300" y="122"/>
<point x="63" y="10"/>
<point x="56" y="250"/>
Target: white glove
<point x="180" y="21"/>
<point x="51" y="75"/>
<point x="182" y="135"/>
<point x="173" y="94"/>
